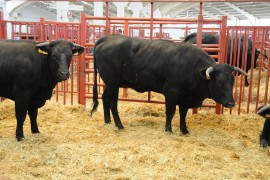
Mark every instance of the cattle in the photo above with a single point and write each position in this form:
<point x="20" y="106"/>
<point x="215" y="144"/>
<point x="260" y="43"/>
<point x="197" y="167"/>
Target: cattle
<point x="183" y="73"/>
<point x="29" y="72"/>
<point x="264" y="111"/>
<point x="213" y="39"/>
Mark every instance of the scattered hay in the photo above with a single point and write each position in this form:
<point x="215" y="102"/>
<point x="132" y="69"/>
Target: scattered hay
<point x="74" y="146"/>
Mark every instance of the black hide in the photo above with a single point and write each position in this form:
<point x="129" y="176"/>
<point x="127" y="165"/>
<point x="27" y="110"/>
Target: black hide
<point x="176" y="70"/>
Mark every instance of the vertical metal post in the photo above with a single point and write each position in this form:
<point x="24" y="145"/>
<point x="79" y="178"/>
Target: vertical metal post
<point x="1" y="25"/>
<point x="222" y="52"/>
<point x="223" y="39"/>
<point x="268" y="66"/>
<point x="199" y="39"/>
<point x="251" y="70"/>
<point x="81" y="63"/>
<point x="160" y="31"/>
<point x="199" y="29"/>
<point x="151" y="19"/>
<point x="126" y="33"/>
<point x="107" y="32"/>
<point x="41" y="32"/>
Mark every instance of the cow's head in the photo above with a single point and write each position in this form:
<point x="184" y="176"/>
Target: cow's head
<point x="221" y="81"/>
<point x="59" y="55"/>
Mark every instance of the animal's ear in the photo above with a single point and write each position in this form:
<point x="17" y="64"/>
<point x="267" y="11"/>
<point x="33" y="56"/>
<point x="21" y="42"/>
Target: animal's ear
<point x="77" y="49"/>
<point x="43" y="48"/>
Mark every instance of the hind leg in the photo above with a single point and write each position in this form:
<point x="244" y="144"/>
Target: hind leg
<point x="110" y="102"/>
<point x="106" y="106"/>
<point x="113" y="91"/>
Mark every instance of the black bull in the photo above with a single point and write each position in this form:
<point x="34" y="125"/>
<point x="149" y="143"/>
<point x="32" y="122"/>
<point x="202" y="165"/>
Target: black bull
<point x="213" y="39"/>
<point x="29" y="72"/>
<point x="184" y="74"/>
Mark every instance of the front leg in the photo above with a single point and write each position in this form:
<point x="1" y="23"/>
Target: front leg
<point x="183" y="114"/>
<point x="33" y="112"/>
<point x="20" y="111"/>
<point x="265" y="136"/>
<point x="170" y="103"/>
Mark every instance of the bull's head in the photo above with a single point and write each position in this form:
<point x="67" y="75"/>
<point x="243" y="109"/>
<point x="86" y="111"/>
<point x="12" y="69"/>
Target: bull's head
<point x="221" y="81"/>
<point x="59" y="55"/>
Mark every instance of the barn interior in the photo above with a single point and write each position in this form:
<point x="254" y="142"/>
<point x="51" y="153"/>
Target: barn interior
<point x="223" y="142"/>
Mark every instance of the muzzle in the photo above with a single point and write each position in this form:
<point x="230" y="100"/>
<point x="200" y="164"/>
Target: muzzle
<point x="229" y="104"/>
<point x="62" y="76"/>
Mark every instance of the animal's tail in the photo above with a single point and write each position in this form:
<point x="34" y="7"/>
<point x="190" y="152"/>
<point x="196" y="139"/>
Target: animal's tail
<point x="95" y="91"/>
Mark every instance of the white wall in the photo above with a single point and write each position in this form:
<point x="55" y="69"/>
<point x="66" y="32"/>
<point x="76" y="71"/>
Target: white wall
<point x="3" y="7"/>
<point x="34" y="14"/>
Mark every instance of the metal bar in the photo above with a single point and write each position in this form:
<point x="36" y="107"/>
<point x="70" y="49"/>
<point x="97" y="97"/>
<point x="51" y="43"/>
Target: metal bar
<point x="251" y="71"/>
<point x="81" y="63"/>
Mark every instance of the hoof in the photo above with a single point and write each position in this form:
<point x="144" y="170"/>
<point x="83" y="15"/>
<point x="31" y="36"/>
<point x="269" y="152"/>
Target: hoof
<point x="107" y="122"/>
<point x="264" y="143"/>
<point x="168" y="129"/>
<point x="120" y="127"/>
<point x="19" y="138"/>
<point x="185" y="131"/>
<point x="35" y="131"/>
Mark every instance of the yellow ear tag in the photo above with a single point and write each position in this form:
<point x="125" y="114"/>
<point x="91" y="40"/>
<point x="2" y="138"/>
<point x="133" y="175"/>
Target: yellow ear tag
<point x="76" y="54"/>
<point x="42" y="52"/>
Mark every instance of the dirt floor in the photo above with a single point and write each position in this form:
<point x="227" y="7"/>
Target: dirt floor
<point x="72" y="145"/>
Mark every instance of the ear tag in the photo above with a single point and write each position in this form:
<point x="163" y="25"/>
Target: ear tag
<point x="41" y="52"/>
<point x="76" y="54"/>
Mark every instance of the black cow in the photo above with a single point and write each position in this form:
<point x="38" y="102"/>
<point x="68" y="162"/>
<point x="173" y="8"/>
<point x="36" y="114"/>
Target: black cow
<point x="265" y="135"/>
<point x="213" y="39"/>
<point x="185" y="75"/>
<point x="29" y="72"/>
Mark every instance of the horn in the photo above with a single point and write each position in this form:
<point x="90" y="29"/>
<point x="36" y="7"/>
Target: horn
<point x="43" y="44"/>
<point x="77" y="45"/>
<point x="208" y="71"/>
<point x="240" y="71"/>
<point x="262" y="110"/>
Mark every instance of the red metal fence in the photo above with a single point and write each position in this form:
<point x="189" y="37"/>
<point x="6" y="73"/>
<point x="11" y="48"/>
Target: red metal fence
<point x="248" y="98"/>
<point x="78" y="89"/>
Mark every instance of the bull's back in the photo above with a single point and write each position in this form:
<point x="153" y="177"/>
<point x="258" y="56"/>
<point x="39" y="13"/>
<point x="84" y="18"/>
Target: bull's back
<point x="145" y="64"/>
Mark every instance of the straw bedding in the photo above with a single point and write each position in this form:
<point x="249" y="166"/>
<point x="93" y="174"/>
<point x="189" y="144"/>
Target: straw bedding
<point x="72" y="145"/>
